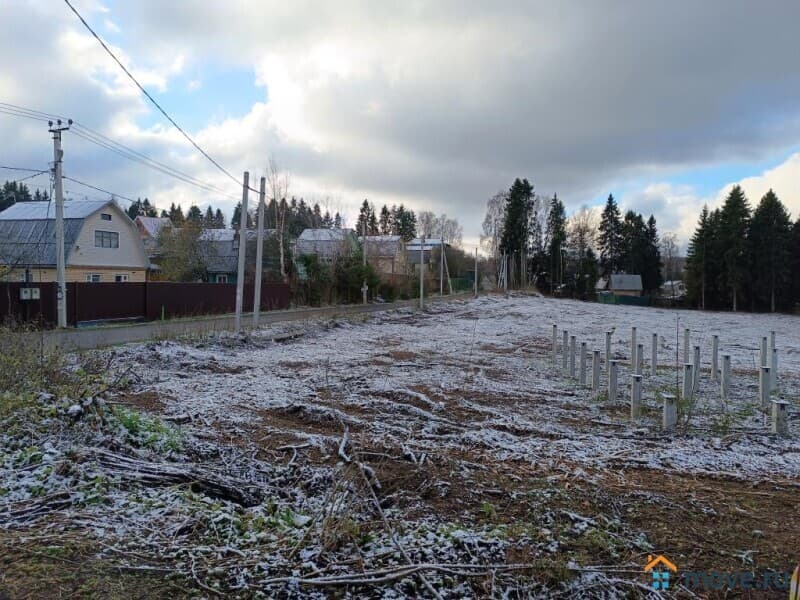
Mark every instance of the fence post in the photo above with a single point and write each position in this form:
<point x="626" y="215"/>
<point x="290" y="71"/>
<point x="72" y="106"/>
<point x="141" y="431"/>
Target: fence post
<point x="654" y="356"/>
<point x="763" y="387"/>
<point x="595" y="372"/>
<point x="725" y="376"/>
<point x="612" y="380"/>
<point x="670" y="417"/>
<point x="582" y="365"/>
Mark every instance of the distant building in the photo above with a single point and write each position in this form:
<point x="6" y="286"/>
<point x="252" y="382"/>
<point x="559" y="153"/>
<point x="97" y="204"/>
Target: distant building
<point x="149" y="230"/>
<point x="387" y="254"/>
<point x="621" y="284"/>
<point x="101" y="243"/>
<point x="416" y="250"/>
<point x="220" y="249"/>
<point x="674" y="290"/>
<point x="327" y="244"/>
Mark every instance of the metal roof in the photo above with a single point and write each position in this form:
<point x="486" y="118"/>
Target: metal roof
<point x="153" y="225"/>
<point x="33" y="242"/>
<point x="383" y="245"/>
<point x="73" y="209"/>
<point x="626" y="282"/>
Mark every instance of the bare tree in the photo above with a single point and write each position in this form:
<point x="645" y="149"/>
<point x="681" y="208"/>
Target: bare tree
<point x="669" y="257"/>
<point x="493" y="223"/>
<point x="449" y="229"/>
<point x="278" y="183"/>
<point x="582" y="229"/>
<point x="426" y="224"/>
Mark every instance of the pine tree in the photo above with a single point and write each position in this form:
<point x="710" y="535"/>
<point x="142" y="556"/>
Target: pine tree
<point x="384" y="222"/>
<point x="556" y="233"/>
<point x="148" y="209"/>
<point x="362" y="223"/>
<point x="195" y="215"/>
<point x="651" y="275"/>
<point x="372" y="223"/>
<point x="208" y="219"/>
<point x="734" y="223"/>
<point x="327" y="221"/>
<point x="219" y="220"/>
<point x="514" y="240"/>
<point x="406" y="223"/>
<point x="770" y="243"/>
<point x="176" y="215"/>
<point x="704" y="262"/>
<point x="337" y="221"/>
<point x="795" y="265"/>
<point x="610" y="239"/>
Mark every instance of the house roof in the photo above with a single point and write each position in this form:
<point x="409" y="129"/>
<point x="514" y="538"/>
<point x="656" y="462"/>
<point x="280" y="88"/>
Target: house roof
<point x="325" y="235"/>
<point x="73" y="209"/>
<point x="27" y="229"/>
<point x="626" y="282"/>
<point x="430" y="244"/>
<point x="153" y="225"/>
<point x="221" y="248"/>
<point x="33" y="242"/>
<point x="326" y="242"/>
<point x="383" y="245"/>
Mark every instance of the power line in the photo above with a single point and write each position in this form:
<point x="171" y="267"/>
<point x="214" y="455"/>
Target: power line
<point x="37" y="171"/>
<point x="97" y="138"/>
<point x="149" y="97"/>
<point x="99" y="189"/>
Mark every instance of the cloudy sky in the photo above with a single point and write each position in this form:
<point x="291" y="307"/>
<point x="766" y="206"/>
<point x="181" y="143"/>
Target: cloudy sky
<point x="436" y="105"/>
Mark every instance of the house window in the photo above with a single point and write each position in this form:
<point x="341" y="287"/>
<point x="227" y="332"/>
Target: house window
<point x="106" y="239"/>
<point x="121" y="277"/>
<point x="222" y="278"/>
<point x="105" y="216"/>
<point x="93" y="277"/>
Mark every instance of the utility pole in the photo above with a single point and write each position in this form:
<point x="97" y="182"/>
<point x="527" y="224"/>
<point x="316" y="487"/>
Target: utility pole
<point x="242" y="250"/>
<point x="421" y="280"/>
<point x="476" y="272"/>
<point x="364" y="259"/>
<point x="61" y="268"/>
<point x="259" y="253"/>
<point x="441" y="260"/>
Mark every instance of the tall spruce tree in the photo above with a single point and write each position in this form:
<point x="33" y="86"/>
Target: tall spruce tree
<point x="556" y="233"/>
<point x="514" y="241"/>
<point x="651" y="275"/>
<point x="733" y="226"/>
<point x="770" y="243"/>
<point x="385" y="221"/>
<point x="795" y="297"/>
<point x="610" y="239"/>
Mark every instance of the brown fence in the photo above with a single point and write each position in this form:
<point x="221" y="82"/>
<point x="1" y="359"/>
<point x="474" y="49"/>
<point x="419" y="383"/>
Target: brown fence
<point x="87" y="302"/>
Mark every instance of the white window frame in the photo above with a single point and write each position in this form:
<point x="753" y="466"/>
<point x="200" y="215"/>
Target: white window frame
<point x="111" y="236"/>
<point x="221" y="278"/>
<point x="121" y="277"/>
<point x="105" y="216"/>
<point x="94" y="277"/>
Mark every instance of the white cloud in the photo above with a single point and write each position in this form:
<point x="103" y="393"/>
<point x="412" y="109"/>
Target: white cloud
<point x="436" y="105"/>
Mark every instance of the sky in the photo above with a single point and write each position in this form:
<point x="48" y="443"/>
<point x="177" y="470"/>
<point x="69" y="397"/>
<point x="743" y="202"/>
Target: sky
<point x="435" y="105"/>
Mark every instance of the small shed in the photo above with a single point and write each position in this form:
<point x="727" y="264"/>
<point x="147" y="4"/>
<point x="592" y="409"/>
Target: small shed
<point x="621" y="284"/>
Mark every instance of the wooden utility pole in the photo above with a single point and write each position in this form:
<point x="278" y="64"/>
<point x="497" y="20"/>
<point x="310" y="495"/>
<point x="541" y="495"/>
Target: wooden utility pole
<point x="61" y="268"/>
<point x="242" y="250"/>
<point x="476" y="272"/>
<point x="441" y="260"/>
<point x="259" y="253"/>
<point x="421" y="280"/>
<point x="364" y="259"/>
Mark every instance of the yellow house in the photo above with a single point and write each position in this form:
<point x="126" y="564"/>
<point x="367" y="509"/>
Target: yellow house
<point x="101" y="243"/>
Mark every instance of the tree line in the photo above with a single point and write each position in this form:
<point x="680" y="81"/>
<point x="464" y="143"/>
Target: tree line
<point x="14" y="191"/>
<point x="533" y="241"/>
<point x="740" y="258"/>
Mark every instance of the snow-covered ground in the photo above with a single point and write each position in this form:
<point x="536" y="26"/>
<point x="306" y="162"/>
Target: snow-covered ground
<point x="452" y="421"/>
<point x="479" y="373"/>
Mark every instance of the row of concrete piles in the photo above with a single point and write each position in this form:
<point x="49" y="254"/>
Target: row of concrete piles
<point x="575" y="360"/>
